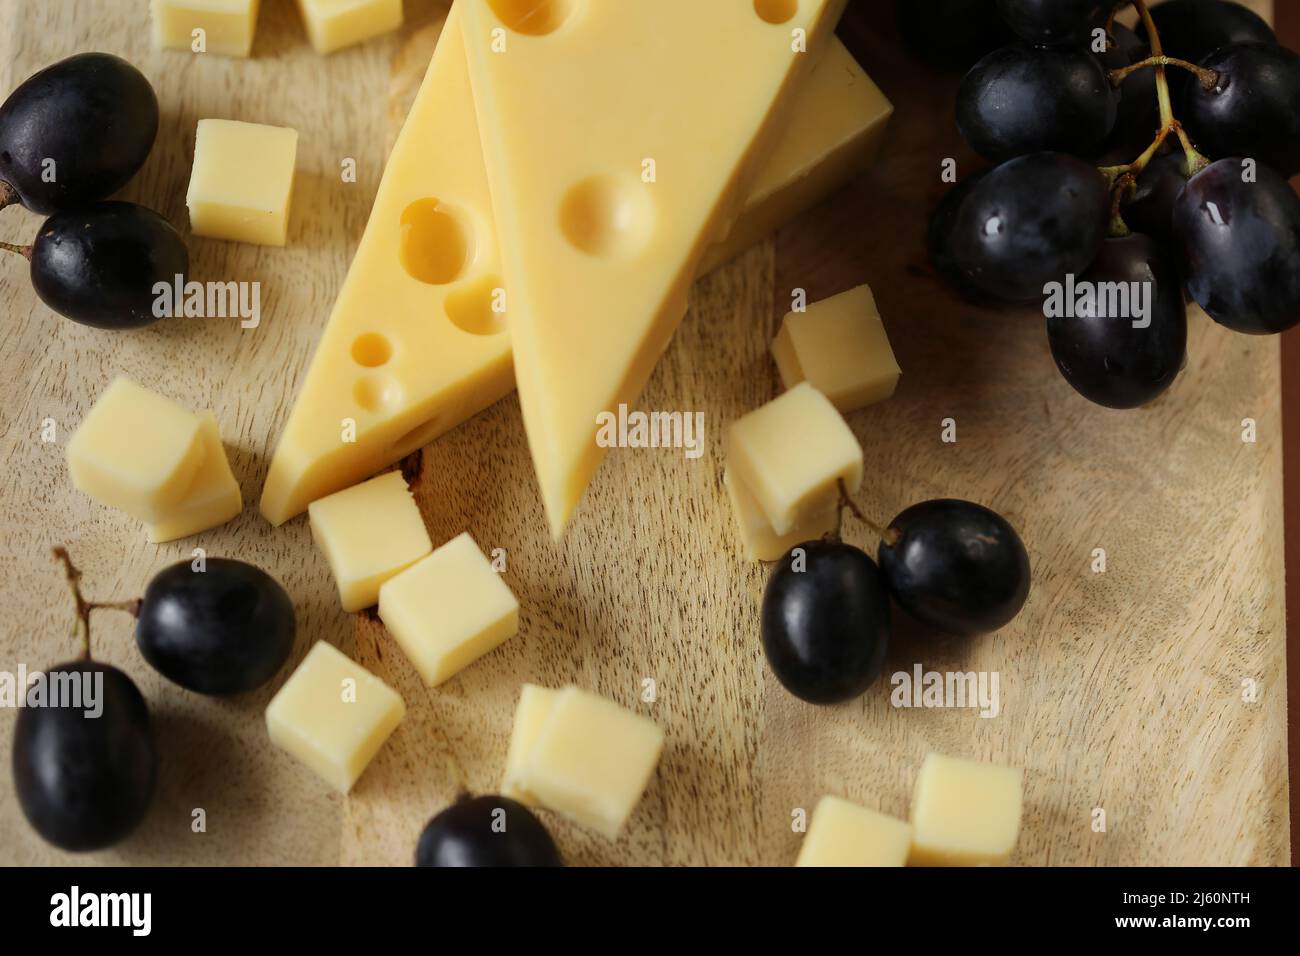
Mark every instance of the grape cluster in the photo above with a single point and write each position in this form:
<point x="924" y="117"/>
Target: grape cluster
<point x="1154" y="160"/>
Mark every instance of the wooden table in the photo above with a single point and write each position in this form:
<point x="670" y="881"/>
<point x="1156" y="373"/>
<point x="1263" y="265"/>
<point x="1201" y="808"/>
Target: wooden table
<point x="1121" y="690"/>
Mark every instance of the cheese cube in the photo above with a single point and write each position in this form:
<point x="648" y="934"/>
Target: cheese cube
<point x="791" y="455"/>
<point x="334" y="24"/>
<point x="242" y="181"/>
<point x="591" y="761"/>
<point x="368" y="534"/>
<point x="964" y="812"/>
<point x="839" y="346"/>
<point x="844" y="834"/>
<point x="448" y="610"/>
<point x="227" y="25"/>
<point x="213" y="497"/>
<point x="333" y="715"/>
<point x="535" y="705"/>
<point x="136" y="451"/>
<point x="760" y="541"/>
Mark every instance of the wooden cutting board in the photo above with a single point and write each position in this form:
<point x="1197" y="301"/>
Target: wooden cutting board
<point x="1120" y="691"/>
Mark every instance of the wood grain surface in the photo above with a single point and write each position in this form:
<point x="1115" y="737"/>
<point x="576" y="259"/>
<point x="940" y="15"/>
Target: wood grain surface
<point x="1120" y="690"/>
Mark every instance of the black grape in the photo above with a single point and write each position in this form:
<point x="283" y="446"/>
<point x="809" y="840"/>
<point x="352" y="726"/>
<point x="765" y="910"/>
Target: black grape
<point x="939" y="238"/>
<point x="1022" y="99"/>
<point x="93" y="116"/>
<point x="1193" y="29"/>
<point x="1101" y="354"/>
<point x="85" y="782"/>
<point x="952" y="34"/>
<point x="1150" y="209"/>
<point x="223" y="630"/>
<point x="486" y="831"/>
<point x="1030" y="221"/>
<point x="98" y="264"/>
<point x="1053" y="22"/>
<point x="1240" y="246"/>
<point x="1254" y="108"/>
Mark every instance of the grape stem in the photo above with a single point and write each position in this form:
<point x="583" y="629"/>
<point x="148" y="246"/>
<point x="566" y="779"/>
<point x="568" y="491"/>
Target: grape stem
<point x="24" y="251"/>
<point x="73" y="576"/>
<point x="1123" y="179"/>
<point x="887" y="535"/>
<point x="8" y="196"/>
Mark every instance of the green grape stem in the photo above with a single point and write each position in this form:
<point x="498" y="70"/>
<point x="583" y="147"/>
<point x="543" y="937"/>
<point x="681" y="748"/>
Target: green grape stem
<point x="887" y="535"/>
<point x="73" y="576"/>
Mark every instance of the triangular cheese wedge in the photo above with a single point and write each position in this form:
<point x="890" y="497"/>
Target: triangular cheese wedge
<point x="416" y="343"/>
<point x="620" y="139"/>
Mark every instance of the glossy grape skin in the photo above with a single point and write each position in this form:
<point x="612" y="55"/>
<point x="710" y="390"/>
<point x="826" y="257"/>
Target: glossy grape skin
<point x="1138" y="118"/>
<point x="952" y="34"/>
<point x="1023" y="99"/>
<point x="224" y="630"/>
<point x="826" y="627"/>
<point x="98" y="264"/>
<point x="1193" y="29"/>
<point x="463" y="835"/>
<point x="84" y="783"/>
<point x="955" y="566"/>
<point x="93" y="114"/>
<point x="1150" y="209"/>
<point x="1028" y="222"/>
<point x="1104" y="358"/>
<point x="1254" y="108"/>
<point x="1240" y="246"/>
<point x="1053" y="22"/>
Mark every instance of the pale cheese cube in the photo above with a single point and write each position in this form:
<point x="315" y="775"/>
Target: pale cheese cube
<point x="839" y="346"/>
<point x="791" y="455"/>
<point x="760" y="541"/>
<point x="448" y="610"/>
<point x="844" y="834"/>
<point x="368" y="534"/>
<point x="333" y="715"/>
<point x="592" y="760"/>
<point x="213" y="497"/>
<point x="964" y="813"/>
<point x="535" y="706"/>
<point x="136" y="451"/>
<point x="335" y="24"/>
<point x="242" y="181"/>
<point x="227" y="25"/>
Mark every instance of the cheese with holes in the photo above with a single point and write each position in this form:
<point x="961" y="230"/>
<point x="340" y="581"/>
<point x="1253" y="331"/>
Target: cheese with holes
<point x="136" y="451"/>
<point x="964" y="813"/>
<point x="227" y="25"/>
<point x="761" y="543"/>
<point x="844" y="834"/>
<point x="242" y="181"/>
<point x="385" y="380"/>
<point x="791" y="455"/>
<point x="611" y="174"/>
<point x="591" y="760"/>
<point x="448" y="610"/>
<point x="213" y="497"/>
<point x="368" y="534"/>
<point x="839" y="346"/>
<point x="333" y="715"/>
<point x="535" y="704"/>
<point x="335" y="24"/>
<point x="834" y="133"/>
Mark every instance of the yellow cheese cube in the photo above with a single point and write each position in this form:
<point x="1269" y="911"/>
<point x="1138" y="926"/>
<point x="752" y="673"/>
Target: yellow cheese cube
<point x="844" y="834"/>
<point x="213" y="497"/>
<point x="136" y="451"/>
<point x="242" y="181"/>
<point x="760" y="541"/>
<point x="791" y="455"/>
<point x="334" y="24"/>
<point x="835" y="131"/>
<point x="333" y="715"/>
<point x="227" y="25"/>
<point x="368" y="534"/>
<point x="591" y="761"/>
<point x="839" y="346"/>
<point x="448" y="610"/>
<point x="535" y="705"/>
<point x="964" y="813"/>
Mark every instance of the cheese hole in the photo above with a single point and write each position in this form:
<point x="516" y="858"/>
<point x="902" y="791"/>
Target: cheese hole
<point x="418" y="437"/>
<point x="533" y="17"/>
<point x="603" y="216"/>
<point x="479" y="309"/>
<point x="376" y="394"/>
<point x="371" y="350"/>
<point x="435" y="243"/>
<point x="776" y="11"/>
